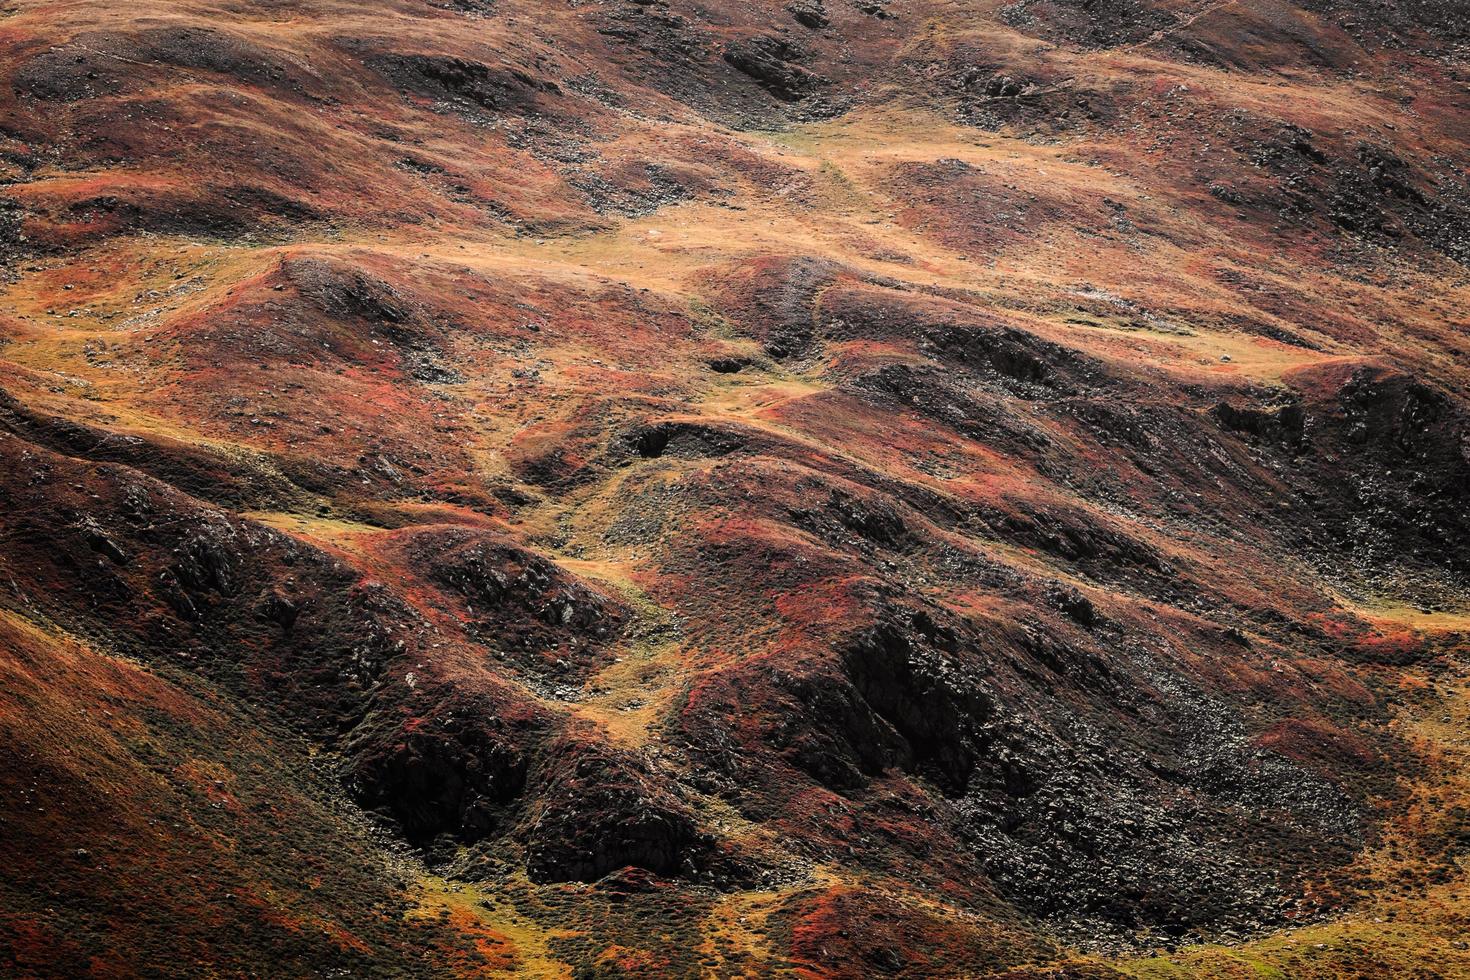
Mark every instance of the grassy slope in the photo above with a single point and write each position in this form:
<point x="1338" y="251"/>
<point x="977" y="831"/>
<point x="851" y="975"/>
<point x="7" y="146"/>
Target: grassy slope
<point x="1041" y="244"/>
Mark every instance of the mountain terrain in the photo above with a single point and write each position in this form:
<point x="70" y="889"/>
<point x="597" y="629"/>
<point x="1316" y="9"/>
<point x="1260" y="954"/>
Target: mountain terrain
<point x="731" y="488"/>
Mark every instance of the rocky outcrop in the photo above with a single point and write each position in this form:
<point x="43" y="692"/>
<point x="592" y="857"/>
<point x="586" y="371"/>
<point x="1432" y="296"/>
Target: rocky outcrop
<point x="603" y="810"/>
<point x="447" y="764"/>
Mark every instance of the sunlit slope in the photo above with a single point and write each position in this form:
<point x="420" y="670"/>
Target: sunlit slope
<point x="832" y="489"/>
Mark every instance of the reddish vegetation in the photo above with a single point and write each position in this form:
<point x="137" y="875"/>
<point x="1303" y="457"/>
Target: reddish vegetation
<point x="830" y="488"/>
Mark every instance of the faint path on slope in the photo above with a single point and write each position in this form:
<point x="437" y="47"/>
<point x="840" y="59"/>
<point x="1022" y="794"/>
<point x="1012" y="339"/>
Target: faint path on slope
<point x="1184" y="24"/>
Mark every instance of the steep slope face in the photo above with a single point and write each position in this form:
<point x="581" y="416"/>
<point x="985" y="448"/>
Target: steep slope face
<point x="830" y="489"/>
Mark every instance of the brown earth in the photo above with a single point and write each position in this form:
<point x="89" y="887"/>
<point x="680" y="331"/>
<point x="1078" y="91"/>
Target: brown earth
<point x="833" y="489"/>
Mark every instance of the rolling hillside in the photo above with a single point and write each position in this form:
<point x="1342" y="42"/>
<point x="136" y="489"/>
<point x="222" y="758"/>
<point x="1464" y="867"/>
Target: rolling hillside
<point x="727" y="488"/>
